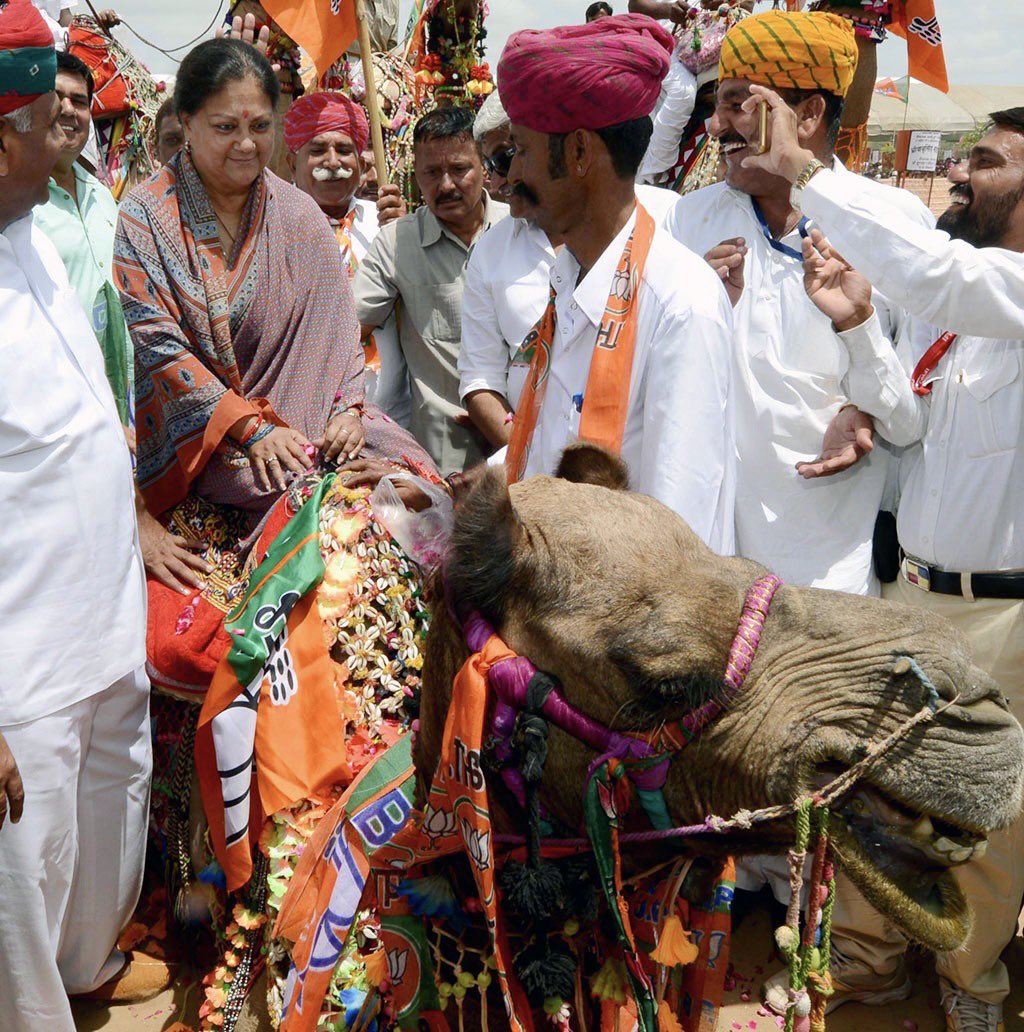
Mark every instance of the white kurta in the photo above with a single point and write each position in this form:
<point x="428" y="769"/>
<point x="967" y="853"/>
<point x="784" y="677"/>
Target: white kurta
<point x="506" y="292"/>
<point x="949" y="282"/>
<point x="790" y="380"/>
<point x="74" y="698"/>
<point x="73" y="609"/>
<point x="389" y="389"/>
<point x="678" y="443"/>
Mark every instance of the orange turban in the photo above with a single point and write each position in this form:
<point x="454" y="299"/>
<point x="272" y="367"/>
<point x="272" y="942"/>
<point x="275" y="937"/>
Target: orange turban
<point x="791" y="50"/>
<point x="317" y="113"/>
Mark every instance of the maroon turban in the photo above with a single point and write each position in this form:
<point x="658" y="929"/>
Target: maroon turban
<point x="584" y="76"/>
<point x="317" y="113"/>
<point x="28" y="62"/>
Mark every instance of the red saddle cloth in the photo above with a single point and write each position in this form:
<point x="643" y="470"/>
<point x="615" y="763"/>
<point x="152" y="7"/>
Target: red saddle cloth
<point x="185" y="636"/>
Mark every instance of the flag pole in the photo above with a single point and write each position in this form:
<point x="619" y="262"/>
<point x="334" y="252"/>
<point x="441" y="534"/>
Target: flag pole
<point x="372" y="101"/>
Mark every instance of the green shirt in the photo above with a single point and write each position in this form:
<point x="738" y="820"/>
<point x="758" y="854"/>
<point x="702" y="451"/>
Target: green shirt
<point x="83" y="234"/>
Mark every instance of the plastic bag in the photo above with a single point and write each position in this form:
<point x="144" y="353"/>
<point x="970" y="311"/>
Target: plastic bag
<point x="423" y="535"/>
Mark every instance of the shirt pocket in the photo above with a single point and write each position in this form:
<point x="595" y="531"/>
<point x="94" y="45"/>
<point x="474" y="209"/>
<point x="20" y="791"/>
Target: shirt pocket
<point x="439" y="310"/>
<point x="993" y="383"/>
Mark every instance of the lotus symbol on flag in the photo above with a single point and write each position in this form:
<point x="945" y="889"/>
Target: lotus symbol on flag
<point x="928" y="30"/>
<point x="438" y="823"/>
<point x="397" y="962"/>
<point x="478" y="844"/>
<point x="335" y="6"/>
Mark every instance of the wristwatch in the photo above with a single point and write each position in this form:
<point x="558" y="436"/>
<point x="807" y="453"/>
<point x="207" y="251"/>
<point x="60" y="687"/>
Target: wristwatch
<point x="806" y="174"/>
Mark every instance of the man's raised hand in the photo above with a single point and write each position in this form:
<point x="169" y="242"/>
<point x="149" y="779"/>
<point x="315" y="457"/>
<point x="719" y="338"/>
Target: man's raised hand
<point x="834" y="286"/>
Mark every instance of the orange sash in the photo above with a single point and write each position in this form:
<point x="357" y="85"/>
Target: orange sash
<point x="603" y="418"/>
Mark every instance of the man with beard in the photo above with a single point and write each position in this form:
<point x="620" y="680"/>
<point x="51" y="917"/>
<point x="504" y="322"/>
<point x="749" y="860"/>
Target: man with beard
<point x="969" y="288"/>
<point x="962" y="549"/>
<point x="792" y="352"/>
<point x="327" y="135"/>
<point x="633" y="348"/>
<point x="418" y="263"/>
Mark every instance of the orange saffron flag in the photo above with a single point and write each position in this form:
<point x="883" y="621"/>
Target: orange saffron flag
<point x="916" y="22"/>
<point x="325" y="29"/>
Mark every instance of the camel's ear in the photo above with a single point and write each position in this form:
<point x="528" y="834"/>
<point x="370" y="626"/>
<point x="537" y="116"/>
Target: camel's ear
<point x="484" y="544"/>
<point x="590" y="464"/>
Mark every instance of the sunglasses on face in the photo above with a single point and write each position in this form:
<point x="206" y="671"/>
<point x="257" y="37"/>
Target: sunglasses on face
<point x="500" y="163"/>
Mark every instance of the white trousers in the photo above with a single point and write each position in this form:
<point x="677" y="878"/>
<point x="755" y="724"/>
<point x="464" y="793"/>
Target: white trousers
<point x="71" y="869"/>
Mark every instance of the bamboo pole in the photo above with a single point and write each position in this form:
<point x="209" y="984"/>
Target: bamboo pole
<point x="372" y="100"/>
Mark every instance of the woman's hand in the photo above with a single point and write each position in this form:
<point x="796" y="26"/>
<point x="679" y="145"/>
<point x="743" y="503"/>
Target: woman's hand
<point x="343" y="439"/>
<point x="282" y="450"/>
<point x="370" y="472"/>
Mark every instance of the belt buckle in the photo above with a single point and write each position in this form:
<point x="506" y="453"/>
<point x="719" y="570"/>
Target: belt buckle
<point x="917" y="574"/>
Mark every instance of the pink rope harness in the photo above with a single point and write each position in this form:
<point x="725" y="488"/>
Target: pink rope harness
<point x="519" y="687"/>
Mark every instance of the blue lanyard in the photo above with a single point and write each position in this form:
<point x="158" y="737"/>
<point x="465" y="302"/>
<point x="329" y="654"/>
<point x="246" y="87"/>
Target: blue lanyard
<point x="777" y="245"/>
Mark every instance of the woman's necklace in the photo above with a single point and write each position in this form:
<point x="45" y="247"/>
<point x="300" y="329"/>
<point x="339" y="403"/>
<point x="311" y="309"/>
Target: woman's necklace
<point x="223" y="225"/>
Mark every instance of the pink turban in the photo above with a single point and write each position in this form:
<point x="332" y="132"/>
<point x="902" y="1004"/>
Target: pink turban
<point x="317" y="113"/>
<point x="584" y="76"/>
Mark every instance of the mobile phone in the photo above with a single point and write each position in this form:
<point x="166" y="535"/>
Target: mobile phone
<point x="762" y="142"/>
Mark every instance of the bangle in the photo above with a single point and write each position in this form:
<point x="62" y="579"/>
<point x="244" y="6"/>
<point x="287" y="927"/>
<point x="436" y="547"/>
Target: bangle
<point x="265" y="430"/>
<point x="509" y="417"/>
<point x="251" y="429"/>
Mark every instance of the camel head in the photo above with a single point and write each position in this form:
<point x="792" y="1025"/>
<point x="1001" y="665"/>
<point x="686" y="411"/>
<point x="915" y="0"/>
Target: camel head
<point x="611" y="593"/>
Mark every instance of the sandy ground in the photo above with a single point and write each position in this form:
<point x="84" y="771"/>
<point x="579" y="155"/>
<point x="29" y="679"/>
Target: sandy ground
<point x="752" y="961"/>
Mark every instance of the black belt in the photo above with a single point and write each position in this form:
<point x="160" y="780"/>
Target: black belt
<point x="946" y="582"/>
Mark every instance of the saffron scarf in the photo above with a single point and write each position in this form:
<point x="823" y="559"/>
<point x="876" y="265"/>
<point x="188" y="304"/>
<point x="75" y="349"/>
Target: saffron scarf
<point x="457" y="819"/>
<point x="606" y="402"/>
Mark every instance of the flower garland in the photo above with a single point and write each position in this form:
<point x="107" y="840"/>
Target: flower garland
<point x="375" y="624"/>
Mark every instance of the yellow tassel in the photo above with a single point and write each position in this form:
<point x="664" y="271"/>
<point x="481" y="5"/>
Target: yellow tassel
<point x="674" y="946"/>
<point x="610" y="981"/>
<point x="667" y="1021"/>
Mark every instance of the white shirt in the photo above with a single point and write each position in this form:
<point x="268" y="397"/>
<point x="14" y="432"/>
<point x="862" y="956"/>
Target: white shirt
<point x="790" y="379"/>
<point x="51" y="10"/>
<point x="73" y="607"/>
<point x="962" y="486"/>
<point x="506" y="292"/>
<point x="941" y="281"/>
<point x="388" y="389"/>
<point x="678" y="443"/>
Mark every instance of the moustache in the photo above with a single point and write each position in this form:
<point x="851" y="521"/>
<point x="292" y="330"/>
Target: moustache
<point x="962" y="190"/>
<point x="449" y="198"/>
<point x="523" y="192"/>
<point x="331" y="175"/>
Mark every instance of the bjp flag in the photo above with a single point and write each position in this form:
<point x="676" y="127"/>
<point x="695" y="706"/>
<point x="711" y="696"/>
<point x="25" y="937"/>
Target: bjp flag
<point x="325" y="29"/>
<point x="916" y="22"/>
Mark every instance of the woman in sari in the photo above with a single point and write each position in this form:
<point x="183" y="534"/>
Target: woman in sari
<point x="248" y="361"/>
<point x="249" y="382"/>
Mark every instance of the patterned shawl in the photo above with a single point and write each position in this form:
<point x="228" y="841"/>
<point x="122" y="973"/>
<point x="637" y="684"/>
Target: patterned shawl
<point x="268" y="328"/>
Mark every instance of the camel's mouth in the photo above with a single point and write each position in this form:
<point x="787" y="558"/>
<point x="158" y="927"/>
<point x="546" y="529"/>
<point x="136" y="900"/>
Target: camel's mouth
<point x="900" y="858"/>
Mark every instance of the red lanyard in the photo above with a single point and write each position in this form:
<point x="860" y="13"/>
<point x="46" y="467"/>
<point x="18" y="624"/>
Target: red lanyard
<point x="929" y="360"/>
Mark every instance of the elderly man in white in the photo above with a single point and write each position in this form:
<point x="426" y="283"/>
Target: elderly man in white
<point x="74" y="698"/>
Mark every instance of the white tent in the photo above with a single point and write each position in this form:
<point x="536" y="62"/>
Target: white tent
<point x="928" y="109"/>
